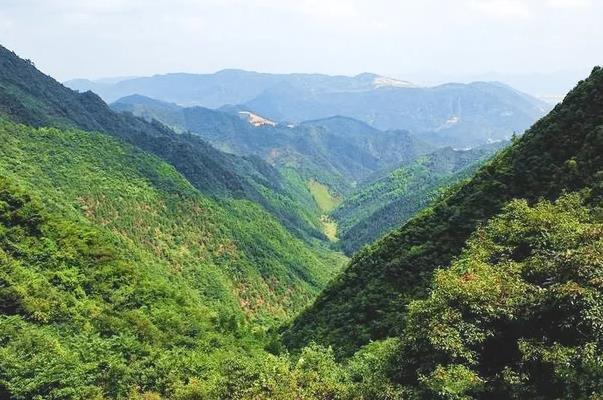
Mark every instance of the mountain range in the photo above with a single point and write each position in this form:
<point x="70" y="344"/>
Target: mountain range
<point x="338" y="152"/>
<point x="459" y="115"/>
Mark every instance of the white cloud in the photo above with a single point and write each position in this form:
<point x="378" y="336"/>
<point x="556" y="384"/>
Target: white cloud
<point x="569" y="3"/>
<point x="500" y="9"/>
<point x="92" y="38"/>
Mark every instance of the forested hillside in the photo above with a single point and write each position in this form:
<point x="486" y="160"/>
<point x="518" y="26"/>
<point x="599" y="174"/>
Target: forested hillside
<point x="337" y="151"/>
<point x="387" y="202"/>
<point x="138" y="262"/>
<point x="517" y="314"/>
<point x="105" y="246"/>
<point x="30" y="97"/>
<point x="561" y="152"/>
<point x="234" y="251"/>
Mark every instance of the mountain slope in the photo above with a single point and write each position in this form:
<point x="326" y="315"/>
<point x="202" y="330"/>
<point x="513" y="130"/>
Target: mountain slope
<point x="336" y="151"/>
<point x="517" y="314"/>
<point x="28" y="96"/>
<point x="386" y="203"/>
<point x="116" y="270"/>
<point x="236" y="252"/>
<point x="562" y="151"/>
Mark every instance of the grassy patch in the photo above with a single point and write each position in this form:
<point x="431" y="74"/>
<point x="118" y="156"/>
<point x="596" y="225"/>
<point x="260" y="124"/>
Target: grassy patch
<point x="323" y="197"/>
<point x="329" y="228"/>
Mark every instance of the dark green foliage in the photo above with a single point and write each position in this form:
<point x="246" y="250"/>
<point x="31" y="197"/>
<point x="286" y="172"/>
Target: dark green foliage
<point x="519" y="315"/>
<point x="563" y="151"/>
<point x="30" y="97"/>
<point x="388" y="202"/>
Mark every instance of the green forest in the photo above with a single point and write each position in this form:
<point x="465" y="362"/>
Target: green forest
<point x="140" y="262"/>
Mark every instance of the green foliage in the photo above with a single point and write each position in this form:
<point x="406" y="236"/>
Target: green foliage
<point x="126" y="277"/>
<point x="325" y="200"/>
<point x="232" y="248"/>
<point x="336" y="151"/>
<point x="120" y="279"/>
<point x="387" y="202"/>
<point x="518" y="314"/>
<point x="563" y="151"/>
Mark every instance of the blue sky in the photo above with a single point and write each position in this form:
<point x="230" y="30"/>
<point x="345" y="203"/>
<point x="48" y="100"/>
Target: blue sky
<point x="426" y="41"/>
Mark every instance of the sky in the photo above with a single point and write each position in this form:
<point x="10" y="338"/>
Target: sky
<point x="540" y="45"/>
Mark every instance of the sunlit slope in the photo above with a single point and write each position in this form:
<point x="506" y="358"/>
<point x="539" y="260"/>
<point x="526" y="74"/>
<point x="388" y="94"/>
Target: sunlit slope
<point x="232" y="253"/>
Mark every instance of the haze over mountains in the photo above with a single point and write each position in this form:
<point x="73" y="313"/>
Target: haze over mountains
<point x="460" y="115"/>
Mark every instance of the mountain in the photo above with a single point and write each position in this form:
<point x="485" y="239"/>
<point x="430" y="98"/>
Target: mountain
<point x="337" y="151"/>
<point x="122" y="279"/>
<point x="383" y="204"/>
<point x="28" y="96"/>
<point x="458" y="115"/>
<point x="368" y="301"/>
<point x="229" y="86"/>
<point x="114" y="266"/>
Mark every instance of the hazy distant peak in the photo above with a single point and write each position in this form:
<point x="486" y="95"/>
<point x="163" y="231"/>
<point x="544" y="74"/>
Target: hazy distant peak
<point x="140" y="99"/>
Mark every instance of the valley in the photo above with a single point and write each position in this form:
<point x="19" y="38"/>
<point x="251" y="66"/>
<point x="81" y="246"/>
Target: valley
<point x="245" y="235"/>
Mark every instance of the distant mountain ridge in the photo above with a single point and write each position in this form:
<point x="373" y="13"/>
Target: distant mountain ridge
<point x="228" y="86"/>
<point x="459" y="115"/>
<point x="337" y="151"/>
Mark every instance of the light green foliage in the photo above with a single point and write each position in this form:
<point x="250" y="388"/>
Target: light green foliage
<point x="236" y="253"/>
<point x="323" y="196"/>
<point x="370" y="369"/>
<point x="125" y="276"/>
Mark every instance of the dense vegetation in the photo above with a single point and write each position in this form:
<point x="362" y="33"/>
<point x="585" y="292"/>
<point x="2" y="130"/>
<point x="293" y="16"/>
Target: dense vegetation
<point x="337" y="151"/>
<point x="30" y="97"/>
<point x="562" y="151"/>
<point x="126" y="270"/>
<point x="518" y="315"/>
<point x="233" y="250"/>
<point x="79" y="321"/>
<point x="122" y="279"/>
<point x="385" y="203"/>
